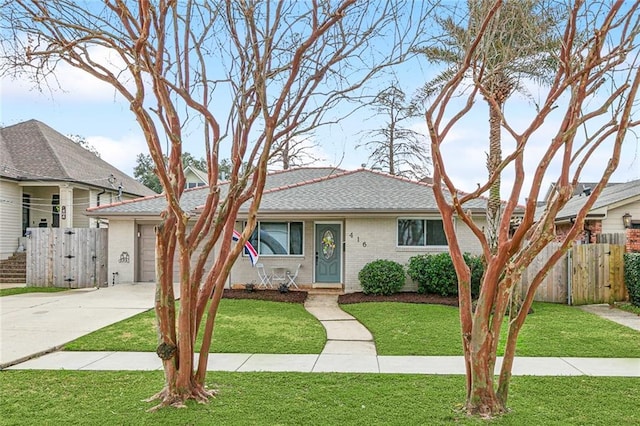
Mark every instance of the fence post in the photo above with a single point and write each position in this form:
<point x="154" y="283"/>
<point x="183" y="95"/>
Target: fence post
<point x="569" y="275"/>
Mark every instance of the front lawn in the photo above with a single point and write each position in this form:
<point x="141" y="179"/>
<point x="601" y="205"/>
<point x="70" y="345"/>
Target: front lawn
<point x="552" y="330"/>
<point x="242" y="326"/>
<point x="114" y="398"/>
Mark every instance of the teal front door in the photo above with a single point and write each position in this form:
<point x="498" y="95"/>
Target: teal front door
<point x="328" y="252"/>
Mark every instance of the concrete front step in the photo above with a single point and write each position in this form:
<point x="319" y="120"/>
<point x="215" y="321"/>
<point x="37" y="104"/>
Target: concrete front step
<point x="18" y="280"/>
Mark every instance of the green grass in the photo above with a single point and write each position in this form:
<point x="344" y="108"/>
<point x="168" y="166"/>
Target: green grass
<point x="552" y="330"/>
<point x="242" y="326"/>
<point x="114" y="398"/>
<point x="22" y="290"/>
<point x="409" y="328"/>
<point x="626" y="306"/>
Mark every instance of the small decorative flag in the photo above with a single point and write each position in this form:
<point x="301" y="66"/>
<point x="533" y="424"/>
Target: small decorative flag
<point x="248" y="248"/>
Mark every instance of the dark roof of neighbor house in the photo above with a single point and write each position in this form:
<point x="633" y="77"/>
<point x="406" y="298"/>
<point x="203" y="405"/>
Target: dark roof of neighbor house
<point x="33" y="151"/>
<point x="581" y="188"/>
<point x="312" y="190"/>
<point x="610" y="195"/>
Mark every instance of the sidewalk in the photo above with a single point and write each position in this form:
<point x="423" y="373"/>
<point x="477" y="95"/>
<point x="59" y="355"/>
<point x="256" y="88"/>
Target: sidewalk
<point x="335" y="363"/>
<point x="34" y="325"/>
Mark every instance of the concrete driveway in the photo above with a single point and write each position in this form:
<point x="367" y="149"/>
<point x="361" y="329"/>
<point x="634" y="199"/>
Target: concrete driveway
<point x="34" y="323"/>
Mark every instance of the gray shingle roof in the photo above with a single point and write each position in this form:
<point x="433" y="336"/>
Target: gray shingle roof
<point x="34" y="151"/>
<point x="313" y="190"/>
<point x="610" y="195"/>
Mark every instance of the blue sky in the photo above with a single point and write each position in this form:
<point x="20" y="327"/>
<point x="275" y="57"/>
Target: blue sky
<point x="87" y="107"/>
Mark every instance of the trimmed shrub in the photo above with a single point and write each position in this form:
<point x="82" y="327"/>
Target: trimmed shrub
<point x="632" y="276"/>
<point x="382" y="277"/>
<point x="435" y="274"/>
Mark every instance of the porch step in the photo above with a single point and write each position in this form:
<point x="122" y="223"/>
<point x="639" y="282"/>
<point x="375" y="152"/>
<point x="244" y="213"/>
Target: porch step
<point x="14" y="269"/>
<point x="5" y="280"/>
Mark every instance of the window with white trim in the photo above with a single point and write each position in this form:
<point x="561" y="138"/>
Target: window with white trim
<point x="278" y="238"/>
<point x="420" y="233"/>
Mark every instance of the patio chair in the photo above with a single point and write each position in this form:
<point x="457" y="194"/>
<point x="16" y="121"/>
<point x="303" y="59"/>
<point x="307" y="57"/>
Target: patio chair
<point x="265" y="279"/>
<point x="292" y="277"/>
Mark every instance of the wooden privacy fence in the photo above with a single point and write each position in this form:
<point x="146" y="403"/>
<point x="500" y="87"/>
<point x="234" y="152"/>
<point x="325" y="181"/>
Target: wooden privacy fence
<point x="586" y="274"/>
<point x="69" y="258"/>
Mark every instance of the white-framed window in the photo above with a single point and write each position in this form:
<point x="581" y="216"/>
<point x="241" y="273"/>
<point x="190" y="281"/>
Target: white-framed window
<point x="413" y="232"/>
<point x="190" y="185"/>
<point x="278" y="238"/>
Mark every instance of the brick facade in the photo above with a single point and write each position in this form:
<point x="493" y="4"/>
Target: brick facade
<point x="589" y="234"/>
<point x="592" y="229"/>
<point x="633" y="241"/>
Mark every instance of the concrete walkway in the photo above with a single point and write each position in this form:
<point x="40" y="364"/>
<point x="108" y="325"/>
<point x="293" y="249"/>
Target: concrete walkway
<point x="627" y="319"/>
<point x="345" y="335"/>
<point x="34" y="325"/>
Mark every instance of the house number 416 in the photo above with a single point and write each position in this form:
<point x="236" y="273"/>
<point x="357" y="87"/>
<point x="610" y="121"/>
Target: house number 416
<point x="364" y="243"/>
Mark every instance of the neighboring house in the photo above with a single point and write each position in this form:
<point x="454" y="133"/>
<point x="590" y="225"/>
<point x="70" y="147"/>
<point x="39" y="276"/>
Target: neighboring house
<point x="194" y="177"/>
<point x="581" y="188"/>
<point x="47" y="180"/>
<point x="617" y="210"/>
<point x="332" y="222"/>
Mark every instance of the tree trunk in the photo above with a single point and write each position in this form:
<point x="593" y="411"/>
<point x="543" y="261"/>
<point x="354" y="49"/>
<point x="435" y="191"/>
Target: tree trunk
<point x="482" y="398"/>
<point x="495" y="157"/>
<point x="175" y="350"/>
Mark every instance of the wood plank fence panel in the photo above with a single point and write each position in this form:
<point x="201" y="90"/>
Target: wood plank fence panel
<point x="597" y="274"/>
<point x="70" y="258"/>
<point x="554" y="286"/>
<point x="593" y="272"/>
<point x="619" y="238"/>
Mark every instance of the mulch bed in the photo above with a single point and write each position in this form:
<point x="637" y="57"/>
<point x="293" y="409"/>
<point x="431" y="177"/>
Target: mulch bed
<point x="404" y="297"/>
<point x="270" y="295"/>
<point x="300" y="296"/>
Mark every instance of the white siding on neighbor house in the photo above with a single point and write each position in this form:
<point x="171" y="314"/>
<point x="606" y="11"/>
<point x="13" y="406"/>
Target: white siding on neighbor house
<point x="122" y="242"/>
<point x="613" y="223"/>
<point x="10" y="217"/>
<point x="80" y="204"/>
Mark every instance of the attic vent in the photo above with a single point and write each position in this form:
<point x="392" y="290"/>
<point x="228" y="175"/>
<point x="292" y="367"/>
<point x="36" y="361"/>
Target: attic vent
<point x="586" y="190"/>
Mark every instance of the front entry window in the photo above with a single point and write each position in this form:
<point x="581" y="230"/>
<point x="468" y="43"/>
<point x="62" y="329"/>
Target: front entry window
<point x="328" y="244"/>
<point x="278" y="238"/>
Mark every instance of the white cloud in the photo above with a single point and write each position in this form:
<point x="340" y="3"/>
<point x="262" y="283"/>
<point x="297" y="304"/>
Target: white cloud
<point x="69" y="84"/>
<point x="120" y="153"/>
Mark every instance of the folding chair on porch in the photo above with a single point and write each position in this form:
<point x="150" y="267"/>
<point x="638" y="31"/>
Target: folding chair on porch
<point x="292" y="277"/>
<point x="265" y="279"/>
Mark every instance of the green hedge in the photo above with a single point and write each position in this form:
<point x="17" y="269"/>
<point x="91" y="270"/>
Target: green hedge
<point x="632" y="276"/>
<point x="382" y="277"/>
<point x="435" y="274"/>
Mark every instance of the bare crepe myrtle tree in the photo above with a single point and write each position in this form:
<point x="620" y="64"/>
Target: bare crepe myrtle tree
<point x="594" y="98"/>
<point x="242" y="74"/>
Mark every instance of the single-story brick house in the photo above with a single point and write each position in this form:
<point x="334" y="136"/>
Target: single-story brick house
<point x="47" y="180"/>
<point x="616" y="211"/>
<point x="330" y="221"/>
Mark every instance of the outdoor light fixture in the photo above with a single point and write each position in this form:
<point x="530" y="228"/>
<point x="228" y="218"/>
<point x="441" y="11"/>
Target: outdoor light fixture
<point x="626" y="220"/>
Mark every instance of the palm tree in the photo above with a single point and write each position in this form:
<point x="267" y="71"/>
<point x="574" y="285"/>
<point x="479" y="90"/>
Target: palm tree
<point x="517" y="47"/>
